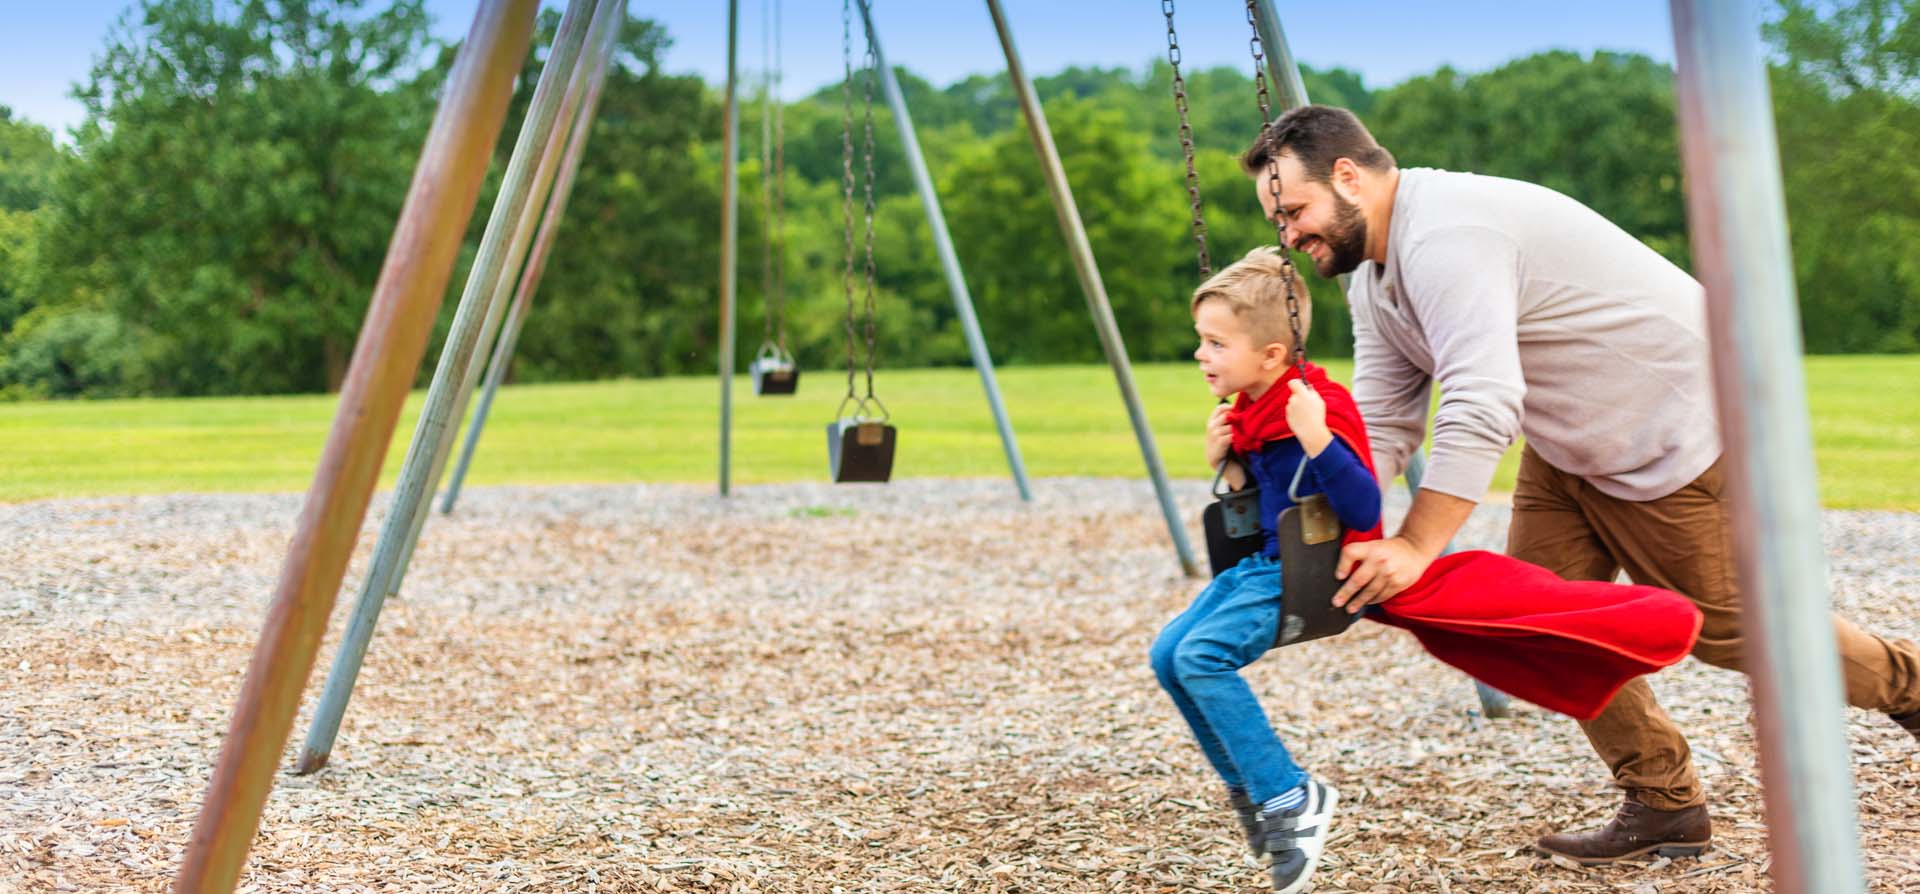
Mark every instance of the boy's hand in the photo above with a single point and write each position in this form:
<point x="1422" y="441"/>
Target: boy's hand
<point x="1307" y="416"/>
<point x="1219" y="437"/>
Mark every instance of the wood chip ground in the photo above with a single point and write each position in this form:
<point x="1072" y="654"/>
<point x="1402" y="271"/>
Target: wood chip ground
<point x="924" y="687"/>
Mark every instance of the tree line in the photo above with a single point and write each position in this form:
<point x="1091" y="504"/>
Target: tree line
<point x="219" y="218"/>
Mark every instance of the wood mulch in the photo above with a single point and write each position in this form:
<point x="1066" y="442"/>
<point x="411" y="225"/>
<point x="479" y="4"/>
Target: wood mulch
<point x="920" y="687"/>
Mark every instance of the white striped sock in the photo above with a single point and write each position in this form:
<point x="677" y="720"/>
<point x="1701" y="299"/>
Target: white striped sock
<point x="1287" y="800"/>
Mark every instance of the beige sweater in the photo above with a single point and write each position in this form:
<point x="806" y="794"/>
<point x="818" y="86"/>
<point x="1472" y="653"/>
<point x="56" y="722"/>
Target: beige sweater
<point x="1536" y="316"/>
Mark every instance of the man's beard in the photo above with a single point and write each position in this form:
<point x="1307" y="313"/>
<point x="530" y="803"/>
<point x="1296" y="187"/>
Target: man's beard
<point x="1346" y="240"/>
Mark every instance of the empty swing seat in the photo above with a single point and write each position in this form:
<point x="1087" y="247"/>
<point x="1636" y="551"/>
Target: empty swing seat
<point x="860" y="449"/>
<point x="774" y="372"/>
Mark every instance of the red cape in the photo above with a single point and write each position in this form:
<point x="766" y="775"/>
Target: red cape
<point x="1567" y="646"/>
<point x="1564" y="645"/>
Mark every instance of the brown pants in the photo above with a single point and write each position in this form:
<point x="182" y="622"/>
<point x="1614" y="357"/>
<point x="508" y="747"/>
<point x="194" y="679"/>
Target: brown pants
<point x="1679" y="542"/>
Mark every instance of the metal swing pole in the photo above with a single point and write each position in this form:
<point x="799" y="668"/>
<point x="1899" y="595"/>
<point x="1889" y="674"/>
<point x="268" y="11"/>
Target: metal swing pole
<point x="529" y="171"/>
<point x="729" y="243"/>
<point x="1736" y="212"/>
<point x="949" y="260"/>
<point x="1090" y="283"/>
<point x="1284" y="72"/>
<point x="536" y="266"/>
<point x="393" y="339"/>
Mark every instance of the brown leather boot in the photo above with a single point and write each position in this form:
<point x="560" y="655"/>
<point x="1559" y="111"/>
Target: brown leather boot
<point x="1637" y="830"/>
<point x="1908" y="722"/>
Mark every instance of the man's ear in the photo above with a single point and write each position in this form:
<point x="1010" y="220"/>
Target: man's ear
<point x="1345" y="179"/>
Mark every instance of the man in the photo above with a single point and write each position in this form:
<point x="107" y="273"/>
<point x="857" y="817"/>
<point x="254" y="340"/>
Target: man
<point x="1537" y="316"/>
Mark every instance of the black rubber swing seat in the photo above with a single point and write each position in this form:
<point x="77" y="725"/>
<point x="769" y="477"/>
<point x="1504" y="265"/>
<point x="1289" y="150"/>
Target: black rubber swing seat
<point x="1310" y="539"/>
<point x="774" y="372"/>
<point x="860" y="449"/>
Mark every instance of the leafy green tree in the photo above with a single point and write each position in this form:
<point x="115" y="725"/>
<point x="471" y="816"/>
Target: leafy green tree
<point x="240" y="169"/>
<point x="28" y="162"/>
<point x="1847" y="105"/>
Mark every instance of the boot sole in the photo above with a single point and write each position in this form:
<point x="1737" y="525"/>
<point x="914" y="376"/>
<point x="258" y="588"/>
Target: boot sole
<point x="1665" y="849"/>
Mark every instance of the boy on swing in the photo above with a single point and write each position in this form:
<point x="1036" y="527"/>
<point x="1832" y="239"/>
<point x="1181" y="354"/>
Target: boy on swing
<point x="1286" y="415"/>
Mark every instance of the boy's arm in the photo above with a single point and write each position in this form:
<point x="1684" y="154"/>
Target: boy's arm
<point x="1350" y="488"/>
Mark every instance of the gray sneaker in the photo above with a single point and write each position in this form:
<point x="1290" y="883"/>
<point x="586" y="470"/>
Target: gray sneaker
<point x="1249" y="815"/>
<point x="1295" y="838"/>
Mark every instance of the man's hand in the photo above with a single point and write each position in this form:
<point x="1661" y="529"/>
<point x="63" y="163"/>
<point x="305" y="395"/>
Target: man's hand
<point x="1219" y="437"/>
<point x="1376" y="571"/>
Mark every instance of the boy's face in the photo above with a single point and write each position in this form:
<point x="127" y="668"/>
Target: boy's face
<point x="1228" y="356"/>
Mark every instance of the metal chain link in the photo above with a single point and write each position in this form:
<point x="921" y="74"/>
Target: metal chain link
<point x="1289" y="277"/>
<point x="846" y="174"/>
<point x="871" y="326"/>
<point x="780" y="189"/>
<point x="1186" y="142"/>
<point x="766" y="173"/>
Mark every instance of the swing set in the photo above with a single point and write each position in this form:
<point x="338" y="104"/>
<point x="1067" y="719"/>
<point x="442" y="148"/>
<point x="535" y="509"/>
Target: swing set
<point x="1739" y="239"/>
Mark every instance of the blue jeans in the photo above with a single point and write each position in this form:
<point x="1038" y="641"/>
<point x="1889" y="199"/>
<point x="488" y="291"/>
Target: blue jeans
<point x="1198" y="657"/>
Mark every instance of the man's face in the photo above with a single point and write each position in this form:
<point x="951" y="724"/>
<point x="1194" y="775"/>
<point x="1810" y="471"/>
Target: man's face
<point x="1330" y="229"/>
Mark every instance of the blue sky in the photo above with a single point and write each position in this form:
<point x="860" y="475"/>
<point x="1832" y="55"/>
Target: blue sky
<point x="48" y="46"/>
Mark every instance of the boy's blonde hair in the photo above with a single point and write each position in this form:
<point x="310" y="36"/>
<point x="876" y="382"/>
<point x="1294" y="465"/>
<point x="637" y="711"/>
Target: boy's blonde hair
<point x="1254" y="287"/>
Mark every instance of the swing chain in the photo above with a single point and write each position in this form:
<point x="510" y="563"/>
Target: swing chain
<point x="1289" y="276"/>
<point x="779" y="314"/>
<point x="1186" y="141"/>
<point x="872" y="63"/>
<point x="768" y="245"/>
<point x="846" y="175"/>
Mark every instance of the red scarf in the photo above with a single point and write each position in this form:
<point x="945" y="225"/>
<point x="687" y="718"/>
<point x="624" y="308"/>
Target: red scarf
<point x="1257" y="423"/>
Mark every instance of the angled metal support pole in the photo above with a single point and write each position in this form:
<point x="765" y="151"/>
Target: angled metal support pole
<point x="1281" y="68"/>
<point x="1091" y="284"/>
<point x="729" y="241"/>
<point x="1736" y="212"/>
<point x="452" y="378"/>
<point x="536" y="266"/>
<point x="949" y="261"/>
<point x="393" y="339"/>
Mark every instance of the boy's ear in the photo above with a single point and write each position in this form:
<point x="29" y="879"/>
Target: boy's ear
<point x="1275" y="353"/>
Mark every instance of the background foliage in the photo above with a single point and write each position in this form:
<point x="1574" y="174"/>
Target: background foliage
<point x="217" y="222"/>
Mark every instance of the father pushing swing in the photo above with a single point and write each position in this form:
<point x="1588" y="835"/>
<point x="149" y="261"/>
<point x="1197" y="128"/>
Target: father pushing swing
<point x="1538" y="317"/>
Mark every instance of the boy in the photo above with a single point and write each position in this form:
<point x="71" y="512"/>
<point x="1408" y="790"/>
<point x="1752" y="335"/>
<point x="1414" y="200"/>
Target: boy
<point x="1278" y="423"/>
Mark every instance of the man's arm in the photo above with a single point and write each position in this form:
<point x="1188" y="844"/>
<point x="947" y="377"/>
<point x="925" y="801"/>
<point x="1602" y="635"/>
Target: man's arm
<point x="1465" y="289"/>
<point x="1392" y="395"/>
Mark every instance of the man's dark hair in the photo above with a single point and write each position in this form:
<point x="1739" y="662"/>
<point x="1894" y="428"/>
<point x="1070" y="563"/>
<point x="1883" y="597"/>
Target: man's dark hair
<point x="1316" y="136"/>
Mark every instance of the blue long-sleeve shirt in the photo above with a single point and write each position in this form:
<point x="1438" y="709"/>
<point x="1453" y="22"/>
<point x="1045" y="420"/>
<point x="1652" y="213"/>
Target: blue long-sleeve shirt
<point x="1351" y="490"/>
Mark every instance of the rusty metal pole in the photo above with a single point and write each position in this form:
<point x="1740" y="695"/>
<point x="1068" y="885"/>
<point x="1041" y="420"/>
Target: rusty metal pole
<point x="1092" y="286"/>
<point x="729" y="243"/>
<point x="536" y="262"/>
<point x="393" y="339"/>
<point x="500" y="250"/>
<point x="1737" y="216"/>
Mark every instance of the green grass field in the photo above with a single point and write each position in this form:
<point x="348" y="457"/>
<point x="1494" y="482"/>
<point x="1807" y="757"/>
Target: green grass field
<point x="1069" y="420"/>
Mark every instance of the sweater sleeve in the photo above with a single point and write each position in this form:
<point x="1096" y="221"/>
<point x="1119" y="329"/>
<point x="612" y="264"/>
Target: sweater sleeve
<point x="1464" y="285"/>
<point x="1350" y="488"/>
<point x="1391" y="392"/>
